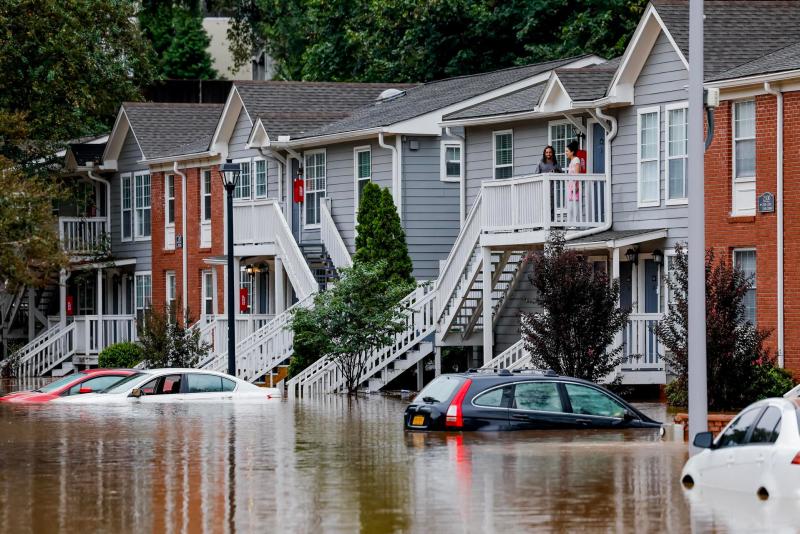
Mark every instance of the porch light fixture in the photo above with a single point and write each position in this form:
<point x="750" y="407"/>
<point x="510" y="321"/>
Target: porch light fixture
<point x="632" y="255"/>
<point x="230" y="175"/>
<point x="658" y="257"/>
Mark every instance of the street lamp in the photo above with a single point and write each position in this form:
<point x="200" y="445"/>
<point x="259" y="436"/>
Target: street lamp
<point x="230" y="175"/>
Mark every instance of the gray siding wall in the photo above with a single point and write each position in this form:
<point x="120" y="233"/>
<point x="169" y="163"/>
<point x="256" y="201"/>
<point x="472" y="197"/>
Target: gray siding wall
<point x="141" y="250"/>
<point x="662" y="81"/>
<point x="507" y="328"/>
<point x="237" y="150"/>
<point x="430" y="207"/>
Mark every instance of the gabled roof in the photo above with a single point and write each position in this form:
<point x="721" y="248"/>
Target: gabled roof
<point x="169" y="129"/>
<point x="517" y="102"/>
<point x="433" y="96"/>
<point x="783" y="60"/>
<point x="588" y="83"/>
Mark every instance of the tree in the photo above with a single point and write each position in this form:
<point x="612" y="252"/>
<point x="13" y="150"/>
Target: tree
<point x="169" y="343"/>
<point x="380" y="234"/>
<point x="574" y="333"/>
<point x="410" y="41"/>
<point x="178" y="38"/>
<point x="739" y="365"/>
<point x="358" y="315"/>
<point x="67" y="65"/>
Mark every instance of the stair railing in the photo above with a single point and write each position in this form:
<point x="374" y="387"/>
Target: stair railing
<point x="294" y="262"/>
<point x="509" y="357"/>
<point x="58" y="347"/>
<point x="331" y="237"/>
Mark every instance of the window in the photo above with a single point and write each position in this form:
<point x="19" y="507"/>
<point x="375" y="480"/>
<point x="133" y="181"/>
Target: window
<point x="127" y="207"/>
<point x="261" y="178"/>
<point x="315" y="185"/>
<point x="745" y="260"/>
<point x="142" y="203"/>
<point x="440" y="389"/>
<point x="561" y="133"/>
<point x="169" y="205"/>
<point x="768" y="427"/>
<point x="205" y="204"/>
<point x="242" y="191"/>
<point x="228" y="385"/>
<point x="503" y="154"/>
<point x="144" y="292"/>
<point x="170" y="278"/>
<point x="744" y="158"/>
<point x="95" y="384"/>
<point x="494" y="398"/>
<point x="200" y="383"/>
<point x="648" y="157"/>
<point x="736" y="433"/>
<point x="677" y="153"/>
<point x="363" y="171"/>
<point x="451" y="164"/>
<point x="170" y="385"/>
<point x="540" y="396"/>
<point x="208" y="293"/>
<point x="589" y="401"/>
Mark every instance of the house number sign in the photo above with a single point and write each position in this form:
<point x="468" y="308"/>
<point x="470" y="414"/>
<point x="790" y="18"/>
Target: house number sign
<point x="766" y="203"/>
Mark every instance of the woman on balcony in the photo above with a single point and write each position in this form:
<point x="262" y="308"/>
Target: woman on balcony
<point x="573" y="186"/>
<point x="549" y="163"/>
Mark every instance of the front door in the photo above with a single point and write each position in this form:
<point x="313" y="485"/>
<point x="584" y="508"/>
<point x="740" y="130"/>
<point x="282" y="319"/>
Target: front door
<point x="598" y="149"/>
<point x="652" y="282"/>
<point x="626" y="285"/>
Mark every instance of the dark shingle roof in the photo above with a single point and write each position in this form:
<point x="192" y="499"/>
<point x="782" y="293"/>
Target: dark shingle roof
<point x="782" y="60"/>
<point x="516" y="102"/>
<point x="431" y="96"/>
<point x="586" y="84"/>
<point x="736" y="31"/>
<point x="87" y="152"/>
<point x="169" y="129"/>
<point x="293" y="108"/>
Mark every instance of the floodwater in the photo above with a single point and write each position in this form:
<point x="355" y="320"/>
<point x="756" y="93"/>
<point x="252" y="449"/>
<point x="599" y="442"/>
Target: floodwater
<point x="335" y="465"/>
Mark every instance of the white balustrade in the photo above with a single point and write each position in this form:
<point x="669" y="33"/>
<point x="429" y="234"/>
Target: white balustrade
<point x="331" y="237"/>
<point x="93" y="333"/>
<point x="84" y="235"/>
<point x="641" y="347"/>
<point x="49" y="351"/>
<point x="294" y="262"/>
<point x="509" y="358"/>
<point x="253" y="222"/>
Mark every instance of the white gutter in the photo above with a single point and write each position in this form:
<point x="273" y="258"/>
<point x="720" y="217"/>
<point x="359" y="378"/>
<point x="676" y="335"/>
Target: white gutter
<point x="184" y="248"/>
<point x="105" y="182"/>
<point x="779" y="171"/>
<point x="751" y="80"/>
<point x="462" y="201"/>
<point x="395" y="176"/>
<point x="609" y="138"/>
<point x="181" y="157"/>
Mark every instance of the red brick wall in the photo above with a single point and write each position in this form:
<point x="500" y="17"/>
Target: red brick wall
<point x="791" y="230"/>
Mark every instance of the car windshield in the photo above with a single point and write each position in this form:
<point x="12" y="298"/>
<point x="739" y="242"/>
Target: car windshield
<point x="440" y="390"/>
<point x="52" y="386"/>
<point x="124" y="384"/>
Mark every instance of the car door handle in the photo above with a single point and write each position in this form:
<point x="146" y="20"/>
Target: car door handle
<point x="583" y="421"/>
<point x="520" y="416"/>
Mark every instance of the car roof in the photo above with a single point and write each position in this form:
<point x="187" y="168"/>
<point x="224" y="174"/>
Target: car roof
<point x="180" y="370"/>
<point x="520" y="375"/>
<point x="107" y="371"/>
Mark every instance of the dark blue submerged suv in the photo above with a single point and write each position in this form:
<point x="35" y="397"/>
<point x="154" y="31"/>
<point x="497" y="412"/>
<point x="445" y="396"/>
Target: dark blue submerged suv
<point x="525" y="400"/>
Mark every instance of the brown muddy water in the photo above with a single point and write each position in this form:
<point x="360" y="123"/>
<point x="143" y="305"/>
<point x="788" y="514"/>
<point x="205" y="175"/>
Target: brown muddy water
<point x="334" y="465"/>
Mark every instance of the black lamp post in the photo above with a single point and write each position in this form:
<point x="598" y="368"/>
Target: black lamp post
<point x="230" y="175"/>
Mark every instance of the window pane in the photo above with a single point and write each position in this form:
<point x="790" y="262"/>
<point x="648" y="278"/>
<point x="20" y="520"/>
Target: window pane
<point x="503" y="144"/>
<point x="228" y="385"/>
<point x="542" y="396"/>
<point x="745" y="158"/>
<point x="590" y="401"/>
<point x="127" y="225"/>
<point x="490" y="399"/>
<point x="503" y="172"/>
<point x="677" y="132"/>
<point x="744" y="121"/>
<point x="206" y="195"/>
<point x="199" y="383"/>
<point x="242" y="190"/>
<point x="738" y="430"/>
<point x="364" y="164"/>
<point x="649" y="136"/>
<point x="649" y="181"/>
<point x="768" y="427"/>
<point x="677" y="178"/>
<point x="261" y="178"/>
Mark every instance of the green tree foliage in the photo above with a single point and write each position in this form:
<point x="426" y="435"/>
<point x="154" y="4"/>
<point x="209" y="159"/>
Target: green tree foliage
<point x="169" y="343"/>
<point x="178" y="38"/>
<point x="125" y="354"/>
<point x="409" y="40"/>
<point x="740" y="368"/>
<point x="575" y="331"/>
<point x="67" y="65"/>
<point x="380" y="234"/>
<point x="359" y="314"/>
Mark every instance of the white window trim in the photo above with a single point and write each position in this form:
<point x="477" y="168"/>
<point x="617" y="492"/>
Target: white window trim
<point x="135" y="210"/>
<point x="253" y="180"/>
<point x="167" y="224"/>
<point x="203" y="288"/>
<point x="745" y="179"/>
<point x="356" y="197"/>
<point x="122" y="210"/>
<point x="495" y="166"/>
<point x="755" y="278"/>
<point x="674" y="201"/>
<point x="136" y="276"/>
<point x="639" y="112"/>
<point x="167" y="276"/>
<point x="443" y="159"/>
<point x="550" y="125"/>
<point x="305" y="177"/>
<point x="203" y="213"/>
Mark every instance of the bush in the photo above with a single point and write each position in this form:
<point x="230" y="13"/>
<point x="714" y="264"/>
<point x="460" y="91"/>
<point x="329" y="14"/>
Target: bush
<point x="125" y="354"/>
<point x="770" y="381"/>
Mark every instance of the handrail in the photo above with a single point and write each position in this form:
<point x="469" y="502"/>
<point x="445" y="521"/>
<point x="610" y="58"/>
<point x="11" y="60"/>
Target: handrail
<point x="49" y="354"/>
<point x="331" y="237"/>
<point x="294" y="262"/>
<point x="82" y="234"/>
<point x="508" y="357"/>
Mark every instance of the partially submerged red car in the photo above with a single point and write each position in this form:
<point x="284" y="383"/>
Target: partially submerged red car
<point x="88" y="381"/>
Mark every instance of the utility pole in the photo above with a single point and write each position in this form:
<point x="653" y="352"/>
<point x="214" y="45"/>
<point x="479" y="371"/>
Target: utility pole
<point x="698" y="389"/>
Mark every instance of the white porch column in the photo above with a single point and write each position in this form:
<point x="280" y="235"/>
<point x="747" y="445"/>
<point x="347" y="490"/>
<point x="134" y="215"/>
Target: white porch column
<point x="62" y="298"/>
<point x="420" y="375"/>
<point x="618" y="339"/>
<point x="100" y="329"/>
<point x="437" y="361"/>
<point x="280" y="295"/>
<point x="488" y="337"/>
<point x="31" y="313"/>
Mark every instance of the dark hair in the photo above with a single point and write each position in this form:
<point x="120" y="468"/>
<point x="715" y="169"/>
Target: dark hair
<point x="544" y="154"/>
<point x="573" y="146"/>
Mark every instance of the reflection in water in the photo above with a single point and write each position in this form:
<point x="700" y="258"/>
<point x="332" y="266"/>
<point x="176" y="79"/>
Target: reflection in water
<point x="328" y="464"/>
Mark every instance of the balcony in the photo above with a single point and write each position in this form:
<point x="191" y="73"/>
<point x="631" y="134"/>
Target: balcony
<point x="643" y="352"/>
<point x="253" y="223"/>
<point x="539" y="202"/>
<point x="84" y="236"/>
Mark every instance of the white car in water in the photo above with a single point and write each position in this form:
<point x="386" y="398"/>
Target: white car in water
<point x="176" y="385"/>
<point x="757" y="453"/>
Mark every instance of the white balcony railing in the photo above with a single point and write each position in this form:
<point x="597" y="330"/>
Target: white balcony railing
<point x="543" y="201"/>
<point x="84" y="235"/>
<point x="94" y="333"/>
<point x="641" y="347"/>
<point x="214" y="328"/>
<point x="253" y="222"/>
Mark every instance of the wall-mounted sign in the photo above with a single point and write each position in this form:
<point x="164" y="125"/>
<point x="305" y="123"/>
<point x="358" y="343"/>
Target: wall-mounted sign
<point x="70" y="306"/>
<point x="179" y="241"/>
<point x="243" y="299"/>
<point x="766" y="203"/>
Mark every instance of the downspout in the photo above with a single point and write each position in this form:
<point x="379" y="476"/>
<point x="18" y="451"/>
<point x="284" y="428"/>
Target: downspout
<point x="609" y="138"/>
<point x="184" y="248"/>
<point x="93" y="176"/>
<point x="395" y="176"/>
<point x="462" y="203"/>
<point x="779" y="172"/>
<point x="271" y="154"/>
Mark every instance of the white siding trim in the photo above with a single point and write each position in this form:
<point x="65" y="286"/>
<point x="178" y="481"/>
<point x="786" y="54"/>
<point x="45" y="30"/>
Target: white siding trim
<point x="134" y="231"/>
<point x="306" y="154"/>
<point x="742" y="185"/>
<point x="639" y="112"/>
<point x="683" y="200"/>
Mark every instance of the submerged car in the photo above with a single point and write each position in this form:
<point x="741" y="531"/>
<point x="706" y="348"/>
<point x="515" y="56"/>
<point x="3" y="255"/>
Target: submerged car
<point x="80" y="383"/>
<point x="757" y="453"/>
<point x="524" y="400"/>
<point x="177" y="385"/>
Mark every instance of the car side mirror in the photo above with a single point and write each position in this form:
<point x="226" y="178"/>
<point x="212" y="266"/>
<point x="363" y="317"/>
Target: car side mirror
<point x="136" y="393"/>
<point x="85" y="390"/>
<point x="629" y="416"/>
<point x="704" y="440"/>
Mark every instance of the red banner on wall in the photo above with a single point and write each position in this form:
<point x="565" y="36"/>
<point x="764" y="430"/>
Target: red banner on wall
<point x="299" y="191"/>
<point x="243" y="300"/>
<point x="581" y="154"/>
<point x="70" y="308"/>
